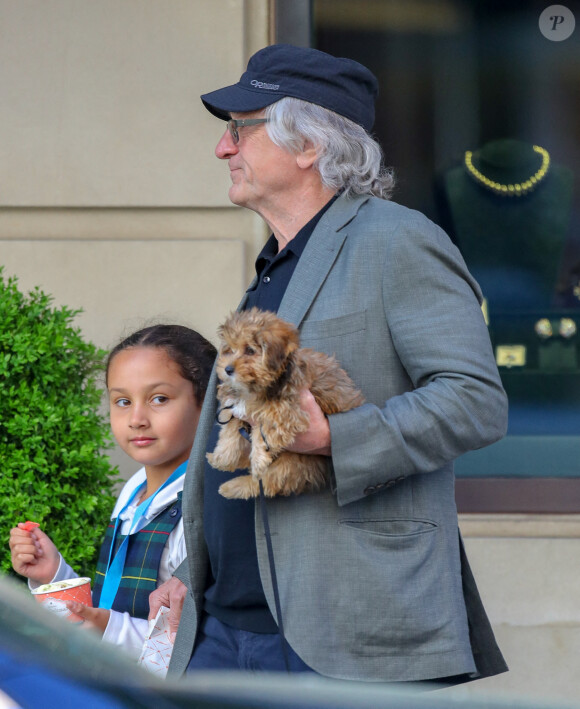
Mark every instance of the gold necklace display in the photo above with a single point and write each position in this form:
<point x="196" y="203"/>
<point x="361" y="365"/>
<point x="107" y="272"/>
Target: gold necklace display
<point x="511" y="190"/>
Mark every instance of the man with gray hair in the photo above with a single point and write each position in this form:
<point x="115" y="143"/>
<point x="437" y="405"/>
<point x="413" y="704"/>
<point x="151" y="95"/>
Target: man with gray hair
<point x="372" y="579"/>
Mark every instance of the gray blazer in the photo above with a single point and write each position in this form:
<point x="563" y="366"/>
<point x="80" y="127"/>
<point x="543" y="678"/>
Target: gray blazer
<point x="373" y="581"/>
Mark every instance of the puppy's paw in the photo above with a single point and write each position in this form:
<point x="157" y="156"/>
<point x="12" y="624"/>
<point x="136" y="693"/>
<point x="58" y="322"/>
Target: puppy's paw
<point x="228" y="462"/>
<point x="217" y="461"/>
<point x="243" y="487"/>
<point x="210" y="457"/>
<point x="260" y="461"/>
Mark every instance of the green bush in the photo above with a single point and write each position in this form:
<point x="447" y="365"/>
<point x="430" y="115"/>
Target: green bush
<point x="52" y="436"/>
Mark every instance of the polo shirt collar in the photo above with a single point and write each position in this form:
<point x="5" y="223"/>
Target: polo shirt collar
<point x="295" y="246"/>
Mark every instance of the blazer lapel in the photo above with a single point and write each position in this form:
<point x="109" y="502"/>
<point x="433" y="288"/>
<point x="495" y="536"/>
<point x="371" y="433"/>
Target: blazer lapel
<point x="317" y="259"/>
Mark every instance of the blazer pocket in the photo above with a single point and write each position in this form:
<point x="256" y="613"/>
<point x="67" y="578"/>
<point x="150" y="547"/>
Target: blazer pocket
<point x="391" y="527"/>
<point x="334" y="327"/>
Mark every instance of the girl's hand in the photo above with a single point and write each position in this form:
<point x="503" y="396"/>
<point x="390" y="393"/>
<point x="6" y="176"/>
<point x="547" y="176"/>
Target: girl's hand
<point x="95" y="618"/>
<point x="33" y="554"/>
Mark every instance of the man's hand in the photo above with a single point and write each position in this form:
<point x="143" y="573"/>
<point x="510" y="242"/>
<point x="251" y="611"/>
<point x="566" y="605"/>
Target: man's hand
<point x="316" y="440"/>
<point x="33" y="554"/>
<point x="95" y="618"/>
<point x="170" y="594"/>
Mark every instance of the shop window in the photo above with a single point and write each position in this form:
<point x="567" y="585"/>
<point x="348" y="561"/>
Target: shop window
<point x="479" y="114"/>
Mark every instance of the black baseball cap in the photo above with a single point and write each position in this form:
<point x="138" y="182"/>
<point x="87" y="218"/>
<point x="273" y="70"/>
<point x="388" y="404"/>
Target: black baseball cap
<point x="339" y="84"/>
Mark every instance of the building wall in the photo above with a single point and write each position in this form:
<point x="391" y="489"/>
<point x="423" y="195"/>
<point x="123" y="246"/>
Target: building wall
<point x="112" y="201"/>
<point x="526" y="567"/>
<point x="111" y="198"/>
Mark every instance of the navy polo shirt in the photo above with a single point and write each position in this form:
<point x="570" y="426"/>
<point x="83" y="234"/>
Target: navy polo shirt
<point x="234" y="592"/>
<point x="274" y="270"/>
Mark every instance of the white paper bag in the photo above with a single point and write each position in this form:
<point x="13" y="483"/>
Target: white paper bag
<point x="157" y="647"/>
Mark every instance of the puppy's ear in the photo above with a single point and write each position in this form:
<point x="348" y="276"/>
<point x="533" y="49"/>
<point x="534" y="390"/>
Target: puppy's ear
<point x="279" y="340"/>
<point x="226" y="331"/>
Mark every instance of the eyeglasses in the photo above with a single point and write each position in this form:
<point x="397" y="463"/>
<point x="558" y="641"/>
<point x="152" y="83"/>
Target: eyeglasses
<point x="234" y="124"/>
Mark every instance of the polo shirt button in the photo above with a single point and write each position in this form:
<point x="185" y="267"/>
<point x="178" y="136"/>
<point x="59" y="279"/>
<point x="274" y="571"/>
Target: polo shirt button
<point x="173" y="512"/>
<point x="266" y="279"/>
<point x="369" y="490"/>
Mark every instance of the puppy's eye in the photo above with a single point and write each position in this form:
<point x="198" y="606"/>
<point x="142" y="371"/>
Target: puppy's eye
<point x="226" y="350"/>
<point x="249" y="351"/>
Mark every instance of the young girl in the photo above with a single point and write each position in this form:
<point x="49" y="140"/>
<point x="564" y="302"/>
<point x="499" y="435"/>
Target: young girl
<point x="156" y="380"/>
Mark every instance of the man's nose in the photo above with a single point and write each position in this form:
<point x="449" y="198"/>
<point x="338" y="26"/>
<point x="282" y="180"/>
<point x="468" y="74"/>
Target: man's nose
<point x="226" y="146"/>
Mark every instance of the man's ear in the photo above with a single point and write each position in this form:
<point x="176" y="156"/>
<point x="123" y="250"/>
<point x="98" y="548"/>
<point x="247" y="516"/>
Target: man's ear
<point x="307" y="157"/>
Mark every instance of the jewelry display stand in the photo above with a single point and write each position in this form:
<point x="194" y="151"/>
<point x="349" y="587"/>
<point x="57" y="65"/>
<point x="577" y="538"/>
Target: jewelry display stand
<point x="508" y="208"/>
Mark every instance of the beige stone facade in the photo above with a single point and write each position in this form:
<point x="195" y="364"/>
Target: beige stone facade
<point x="111" y="200"/>
<point x="526" y="567"/>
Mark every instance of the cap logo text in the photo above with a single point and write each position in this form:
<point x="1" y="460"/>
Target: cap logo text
<point x="262" y="85"/>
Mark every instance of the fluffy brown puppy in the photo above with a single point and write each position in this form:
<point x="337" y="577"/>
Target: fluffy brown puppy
<point x="262" y="370"/>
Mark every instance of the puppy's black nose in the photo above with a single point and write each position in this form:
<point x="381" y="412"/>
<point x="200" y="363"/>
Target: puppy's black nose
<point x="229" y="370"/>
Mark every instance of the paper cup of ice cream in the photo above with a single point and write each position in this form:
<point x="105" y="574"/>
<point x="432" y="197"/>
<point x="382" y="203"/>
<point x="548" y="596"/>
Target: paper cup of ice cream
<point x="53" y="596"/>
